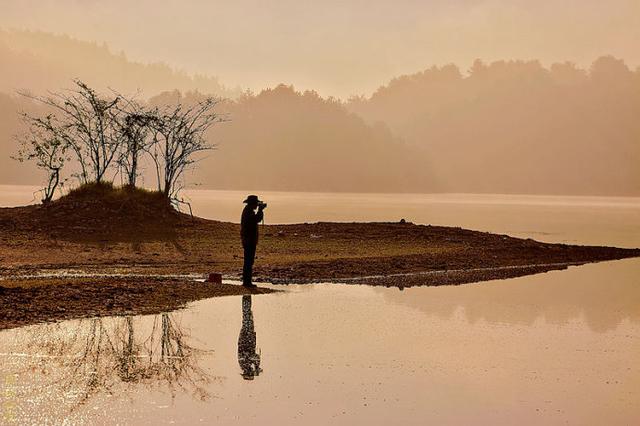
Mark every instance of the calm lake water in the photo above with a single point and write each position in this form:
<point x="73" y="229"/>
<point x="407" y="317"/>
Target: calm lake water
<point x="554" y="348"/>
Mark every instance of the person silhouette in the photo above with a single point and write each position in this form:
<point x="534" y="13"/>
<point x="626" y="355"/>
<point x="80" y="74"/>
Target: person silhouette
<point x="249" y="235"/>
<point x="248" y="358"/>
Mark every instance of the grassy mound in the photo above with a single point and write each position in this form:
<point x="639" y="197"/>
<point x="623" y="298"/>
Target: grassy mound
<point x="95" y="209"/>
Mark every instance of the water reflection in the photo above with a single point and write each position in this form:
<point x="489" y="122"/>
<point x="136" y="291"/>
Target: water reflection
<point x="602" y="295"/>
<point x="76" y="364"/>
<point x="248" y="358"/>
<point x="343" y="354"/>
<point x="100" y="355"/>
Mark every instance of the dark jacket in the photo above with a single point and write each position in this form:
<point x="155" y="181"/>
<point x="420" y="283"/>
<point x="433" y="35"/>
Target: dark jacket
<point x="249" y="226"/>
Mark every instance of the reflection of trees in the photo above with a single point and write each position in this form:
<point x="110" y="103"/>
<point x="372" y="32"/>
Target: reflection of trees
<point x="102" y="353"/>
<point x="248" y="358"/>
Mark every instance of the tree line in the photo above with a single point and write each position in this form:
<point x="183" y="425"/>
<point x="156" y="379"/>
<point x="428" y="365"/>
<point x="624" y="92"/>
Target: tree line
<point x="105" y="135"/>
<point x="504" y="126"/>
<point x="518" y="126"/>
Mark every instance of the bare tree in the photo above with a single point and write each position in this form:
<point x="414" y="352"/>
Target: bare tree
<point x="103" y="130"/>
<point x="86" y="122"/>
<point x="44" y="146"/>
<point x="178" y="134"/>
<point x="133" y="123"/>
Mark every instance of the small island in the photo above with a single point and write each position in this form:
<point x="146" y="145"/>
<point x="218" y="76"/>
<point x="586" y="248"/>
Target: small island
<point x="104" y="250"/>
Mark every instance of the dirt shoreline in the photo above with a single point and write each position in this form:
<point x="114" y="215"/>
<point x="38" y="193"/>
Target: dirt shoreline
<point x="116" y="236"/>
<point x="291" y="253"/>
<point x="33" y="301"/>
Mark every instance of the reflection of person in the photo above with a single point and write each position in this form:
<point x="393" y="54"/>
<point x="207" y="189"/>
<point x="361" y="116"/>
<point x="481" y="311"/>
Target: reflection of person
<point x="248" y="358"/>
<point x="249" y="234"/>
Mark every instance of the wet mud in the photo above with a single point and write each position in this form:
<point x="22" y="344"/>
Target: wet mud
<point x="31" y="301"/>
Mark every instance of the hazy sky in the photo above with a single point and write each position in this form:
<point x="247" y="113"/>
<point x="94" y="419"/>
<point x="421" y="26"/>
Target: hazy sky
<point x="338" y="47"/>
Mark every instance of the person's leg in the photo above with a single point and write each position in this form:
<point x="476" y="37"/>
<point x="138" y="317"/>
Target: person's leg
<point x="247" y="270"/>
<point x="252" y="258"/>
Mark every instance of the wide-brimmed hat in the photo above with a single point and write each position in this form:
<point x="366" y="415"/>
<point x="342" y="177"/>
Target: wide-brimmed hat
<point x="251" y="199"/>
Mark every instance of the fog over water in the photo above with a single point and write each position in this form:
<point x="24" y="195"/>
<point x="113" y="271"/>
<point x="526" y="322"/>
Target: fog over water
<point x="560" y="219"/>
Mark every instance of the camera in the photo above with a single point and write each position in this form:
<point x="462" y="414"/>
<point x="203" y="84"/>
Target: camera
<point x="262" y="205"/>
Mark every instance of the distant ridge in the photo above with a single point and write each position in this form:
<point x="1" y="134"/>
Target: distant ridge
<point x="41" y="61"/>
<point x="511" y="127"/>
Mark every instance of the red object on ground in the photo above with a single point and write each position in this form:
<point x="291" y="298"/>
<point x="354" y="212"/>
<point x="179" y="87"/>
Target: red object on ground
<point x="215" y="278"/>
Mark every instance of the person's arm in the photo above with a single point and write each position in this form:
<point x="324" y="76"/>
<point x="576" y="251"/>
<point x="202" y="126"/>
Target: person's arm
<point x="259" y="216"/>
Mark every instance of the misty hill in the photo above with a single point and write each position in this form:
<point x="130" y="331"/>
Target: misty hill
<point x="282" y="139"/>
<point x="503" y="127"/>
<point x="12" y="172"/>
<point x="279" y="139"/>
<point x="40" y="61"/>
<point x="519" y="127"/>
